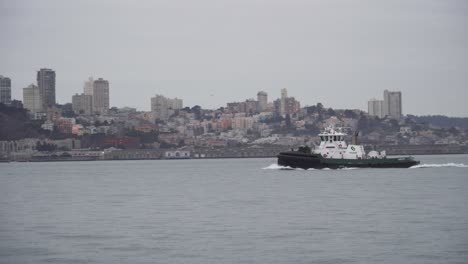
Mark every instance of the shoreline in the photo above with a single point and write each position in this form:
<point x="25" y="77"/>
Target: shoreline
<point x="175" y="159"/>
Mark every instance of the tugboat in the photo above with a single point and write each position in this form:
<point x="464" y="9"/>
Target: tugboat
<point x="334" y="153"/>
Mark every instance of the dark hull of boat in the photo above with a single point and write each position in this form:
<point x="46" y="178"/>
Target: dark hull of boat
<point x="314" y="161"/>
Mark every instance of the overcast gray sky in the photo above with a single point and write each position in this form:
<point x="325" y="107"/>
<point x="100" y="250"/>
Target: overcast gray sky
<point x="210" y="52"/>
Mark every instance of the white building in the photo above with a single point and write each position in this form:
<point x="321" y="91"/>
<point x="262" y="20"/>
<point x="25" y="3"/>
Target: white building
<point x="177" y="154"/>
<point x="48" y="126"/>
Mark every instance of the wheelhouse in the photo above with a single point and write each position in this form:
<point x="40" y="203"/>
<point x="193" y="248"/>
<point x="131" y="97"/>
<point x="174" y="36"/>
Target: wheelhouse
<point x="331" y="137"/>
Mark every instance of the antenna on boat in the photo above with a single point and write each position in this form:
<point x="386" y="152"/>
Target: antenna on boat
<point x="355" y="137"/>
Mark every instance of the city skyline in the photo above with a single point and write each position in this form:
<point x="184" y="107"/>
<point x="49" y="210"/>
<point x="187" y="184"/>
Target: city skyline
<point x="239" y="97"/>
<point x="390" y="106"/>
<point x="339" y="54"/>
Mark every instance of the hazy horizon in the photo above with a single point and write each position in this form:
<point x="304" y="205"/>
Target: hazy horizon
<point x="212" y="52"/>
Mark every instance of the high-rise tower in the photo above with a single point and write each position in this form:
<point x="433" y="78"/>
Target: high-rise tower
<point x="88" y="86"/>
<point x="262" y="98"/>
<point x="46" y="84"/>
<point x="5" y="90"/>
<point x="284" y="95"/>
<point x="375" y="108"/>
<point x="392" y="105"/>
<point x="101" y="96"/>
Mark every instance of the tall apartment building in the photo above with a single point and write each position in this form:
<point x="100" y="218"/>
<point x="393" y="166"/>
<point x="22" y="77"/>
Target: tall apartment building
<point x="392" y="105"/>
<point x="32" y="99"/>
<point x="82" y="104"/>
<point x="100" y="96"/>
<point x="262" y="98"/>
<point x="284" y="95"/>
<point x="5" y="90"/>
<point x="286" y="105"/>
<point x="162" y="105"/>
<point x="88" y="86"/>
<point x="375" y="108"/>
<point x="46" y="84"/>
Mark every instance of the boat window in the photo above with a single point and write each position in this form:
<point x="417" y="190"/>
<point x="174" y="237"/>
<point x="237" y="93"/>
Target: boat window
<point x="334" y="138"/>
<point x="322" y="138"/>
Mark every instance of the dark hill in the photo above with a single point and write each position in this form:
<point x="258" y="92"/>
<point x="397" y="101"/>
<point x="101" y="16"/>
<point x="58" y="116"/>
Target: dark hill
<point x="16" y="124"/>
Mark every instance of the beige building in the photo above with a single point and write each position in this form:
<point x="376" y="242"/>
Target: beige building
<point x="100" y="96"/>
<point x="242" y="123"/>
<point x="375" y="108"/>
<point x="162" y="106"/>
<point x="88" y="86"/>
<point x="32" y="98"/>
<point x="82" y="104"/>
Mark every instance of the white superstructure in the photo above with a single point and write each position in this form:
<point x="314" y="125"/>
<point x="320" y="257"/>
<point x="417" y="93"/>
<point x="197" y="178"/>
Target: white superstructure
<point x="333" y="146"/>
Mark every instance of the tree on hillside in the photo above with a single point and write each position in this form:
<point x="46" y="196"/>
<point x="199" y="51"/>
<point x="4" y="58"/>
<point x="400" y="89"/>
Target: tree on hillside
<point x="197" y="110"/>
<point x="350" y="114"/>
<point x="16" y="124"/>
<point x="319" y="107"/>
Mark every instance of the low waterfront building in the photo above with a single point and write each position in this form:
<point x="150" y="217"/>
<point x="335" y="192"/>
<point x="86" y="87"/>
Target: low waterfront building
<point x="177" y="154"/>
<point x="133" y="154"/>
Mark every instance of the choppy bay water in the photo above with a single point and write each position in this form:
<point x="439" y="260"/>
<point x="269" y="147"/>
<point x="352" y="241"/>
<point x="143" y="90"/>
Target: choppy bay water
<point x="232" y="211"/>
